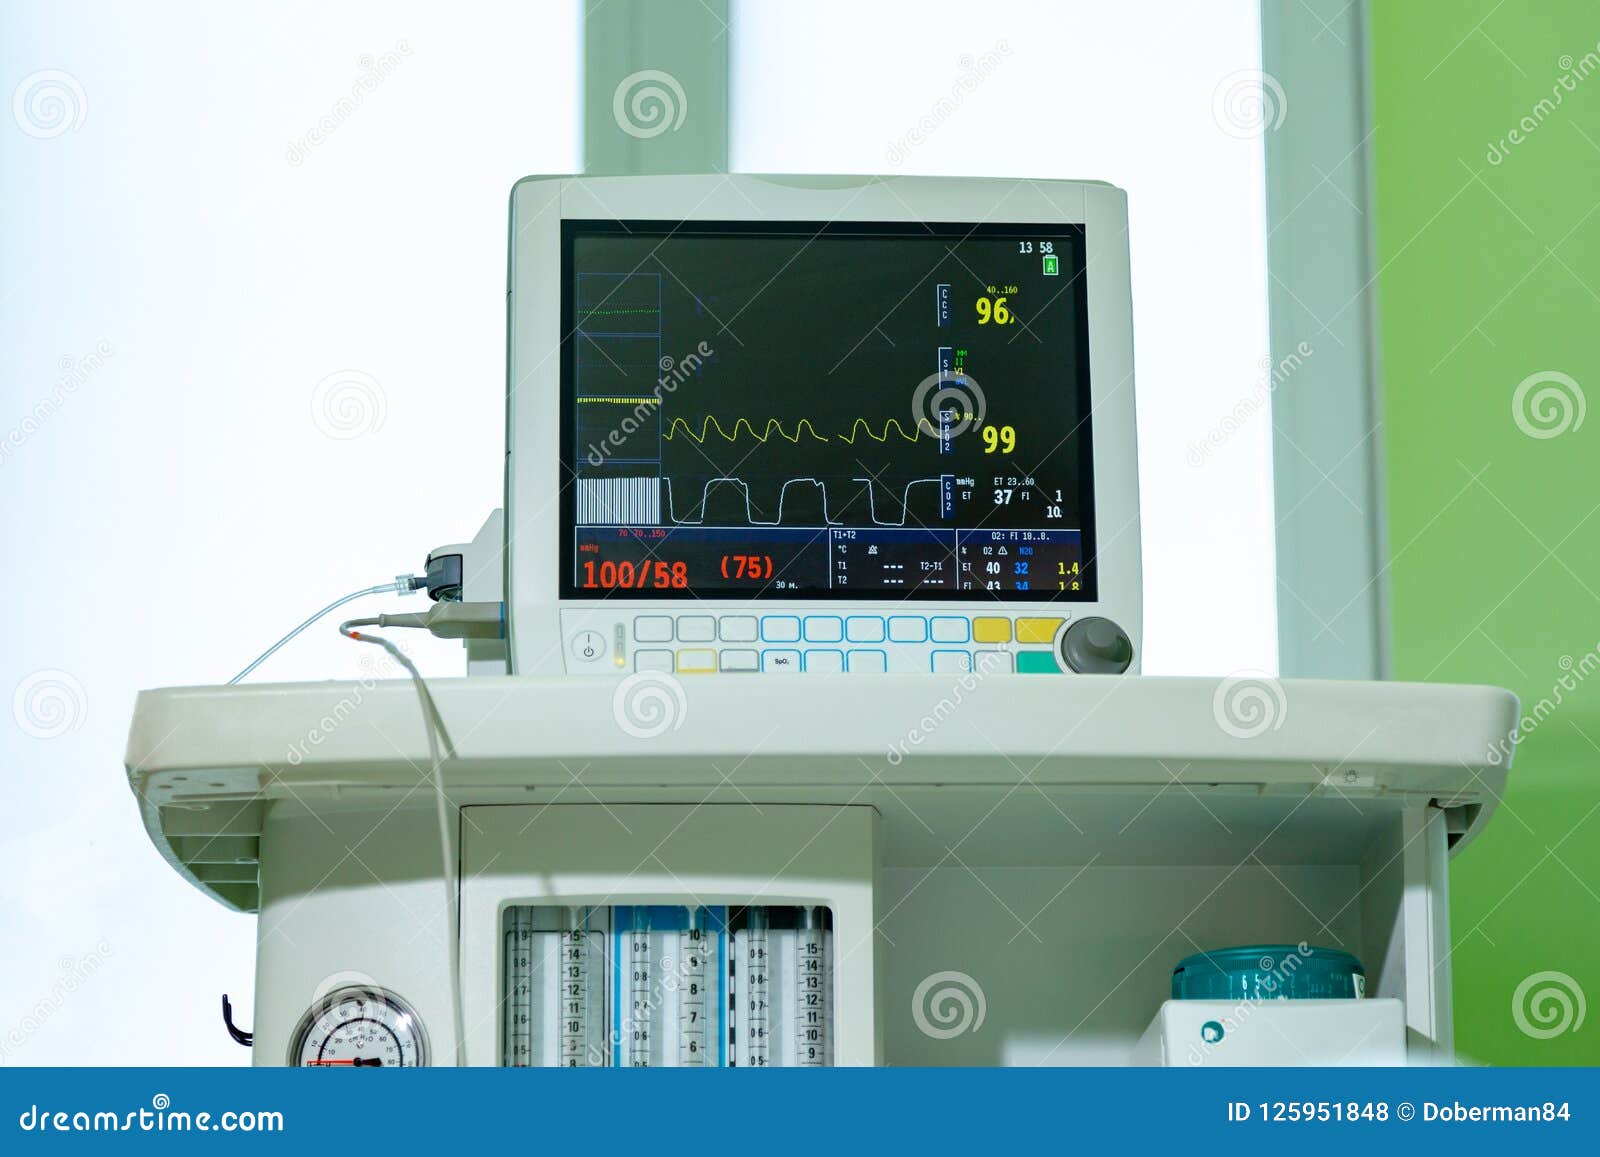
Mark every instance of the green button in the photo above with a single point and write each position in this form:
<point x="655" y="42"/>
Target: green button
<point x="1037" y="663"/>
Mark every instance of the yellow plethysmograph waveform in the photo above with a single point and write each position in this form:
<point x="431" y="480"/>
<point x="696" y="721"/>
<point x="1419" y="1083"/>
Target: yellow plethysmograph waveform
<point x="803" y="428"/>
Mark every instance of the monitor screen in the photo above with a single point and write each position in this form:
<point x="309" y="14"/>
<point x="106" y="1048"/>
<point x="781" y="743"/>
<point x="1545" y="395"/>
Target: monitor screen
<point x="825" y="411"/>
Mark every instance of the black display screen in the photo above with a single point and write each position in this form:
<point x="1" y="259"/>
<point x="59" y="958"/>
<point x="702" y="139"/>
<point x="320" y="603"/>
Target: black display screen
<point x="848" y="411"/>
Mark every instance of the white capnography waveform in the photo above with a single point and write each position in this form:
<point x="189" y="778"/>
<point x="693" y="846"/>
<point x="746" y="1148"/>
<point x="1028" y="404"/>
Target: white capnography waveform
<point x="827" y="516"/>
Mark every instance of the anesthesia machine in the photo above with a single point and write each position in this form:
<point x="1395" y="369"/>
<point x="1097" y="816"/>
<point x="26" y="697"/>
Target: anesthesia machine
<point x="802" y="720"/>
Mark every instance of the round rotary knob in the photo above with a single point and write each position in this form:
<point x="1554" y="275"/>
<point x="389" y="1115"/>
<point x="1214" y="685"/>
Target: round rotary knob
<point x="1096" y="646"/>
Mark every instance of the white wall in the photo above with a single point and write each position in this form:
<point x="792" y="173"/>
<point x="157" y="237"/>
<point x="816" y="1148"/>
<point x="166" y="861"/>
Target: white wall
<point x="284" y="367"/>
<point x="186" y="503"/>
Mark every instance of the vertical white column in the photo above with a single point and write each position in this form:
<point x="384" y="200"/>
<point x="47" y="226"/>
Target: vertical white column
<point x="648" y="59"/>
<point x="694" y="1025"/>
<point x="575" y="976"/>
<point x="811" y="1011"/>
<point x="758" y="990"/>
<point x="641" y="1006"/>
<point x="517" y="1047"/>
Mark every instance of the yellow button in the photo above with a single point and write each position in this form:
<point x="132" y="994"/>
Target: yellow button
<point x="697" y="661"/>
<point x="991" y="630"/>
<point x="1038" y="630"/>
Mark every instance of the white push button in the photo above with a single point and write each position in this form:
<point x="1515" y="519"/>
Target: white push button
<point x="908" y="629"/>
<point x="736" y="660"/>
<point x="783" y="662"/>
<point x="737" y="628"/>
<point x="824" y="662"/>
<point x="697" y="629"/>
<point x="949" y="629"/>
<point x="868" y="662"/>
<point x="864" y="629"/>
<point x="992" y="662"/>
<point x="780" y="629"/>
<point x="588" y="646"/>
<point x="652" y="629"/>
<point x="697" y="660"/>
<point x="951" y="662"/>
<point x="652" y="660"/>
<point x="824" y="629"/>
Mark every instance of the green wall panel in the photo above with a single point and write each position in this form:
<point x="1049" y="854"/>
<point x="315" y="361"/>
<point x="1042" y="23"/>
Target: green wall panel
<point x="1487" y="146"/>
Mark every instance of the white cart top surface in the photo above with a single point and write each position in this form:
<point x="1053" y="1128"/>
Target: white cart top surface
<point x="1132" y="765"/>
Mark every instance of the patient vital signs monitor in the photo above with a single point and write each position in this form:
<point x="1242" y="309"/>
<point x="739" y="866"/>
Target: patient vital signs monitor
<point x="760" y="427"/>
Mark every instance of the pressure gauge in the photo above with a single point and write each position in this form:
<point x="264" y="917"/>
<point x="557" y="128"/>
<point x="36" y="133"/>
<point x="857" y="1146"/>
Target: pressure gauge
<point x="359" y="1027"/>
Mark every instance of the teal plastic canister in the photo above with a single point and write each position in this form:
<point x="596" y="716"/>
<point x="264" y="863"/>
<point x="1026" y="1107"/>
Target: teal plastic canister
<point x="1269" y="972"/>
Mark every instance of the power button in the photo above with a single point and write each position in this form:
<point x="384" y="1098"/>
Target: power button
<point x="588" y="646"/>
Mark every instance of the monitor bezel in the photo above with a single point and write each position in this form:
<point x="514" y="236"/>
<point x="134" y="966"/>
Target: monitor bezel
<point x="540" y="622"/>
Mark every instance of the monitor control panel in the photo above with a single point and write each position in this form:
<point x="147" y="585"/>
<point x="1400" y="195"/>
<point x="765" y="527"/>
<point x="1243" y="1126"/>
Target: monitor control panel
<point x="941" y="643"/>
<point x="770" y="427"/>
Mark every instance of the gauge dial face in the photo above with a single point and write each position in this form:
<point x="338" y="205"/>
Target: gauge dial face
<point x="360" y="1028"/>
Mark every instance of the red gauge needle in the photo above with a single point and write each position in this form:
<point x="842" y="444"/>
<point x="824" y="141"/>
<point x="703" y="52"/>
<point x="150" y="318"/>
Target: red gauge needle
<point x="359" y="1062"/>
